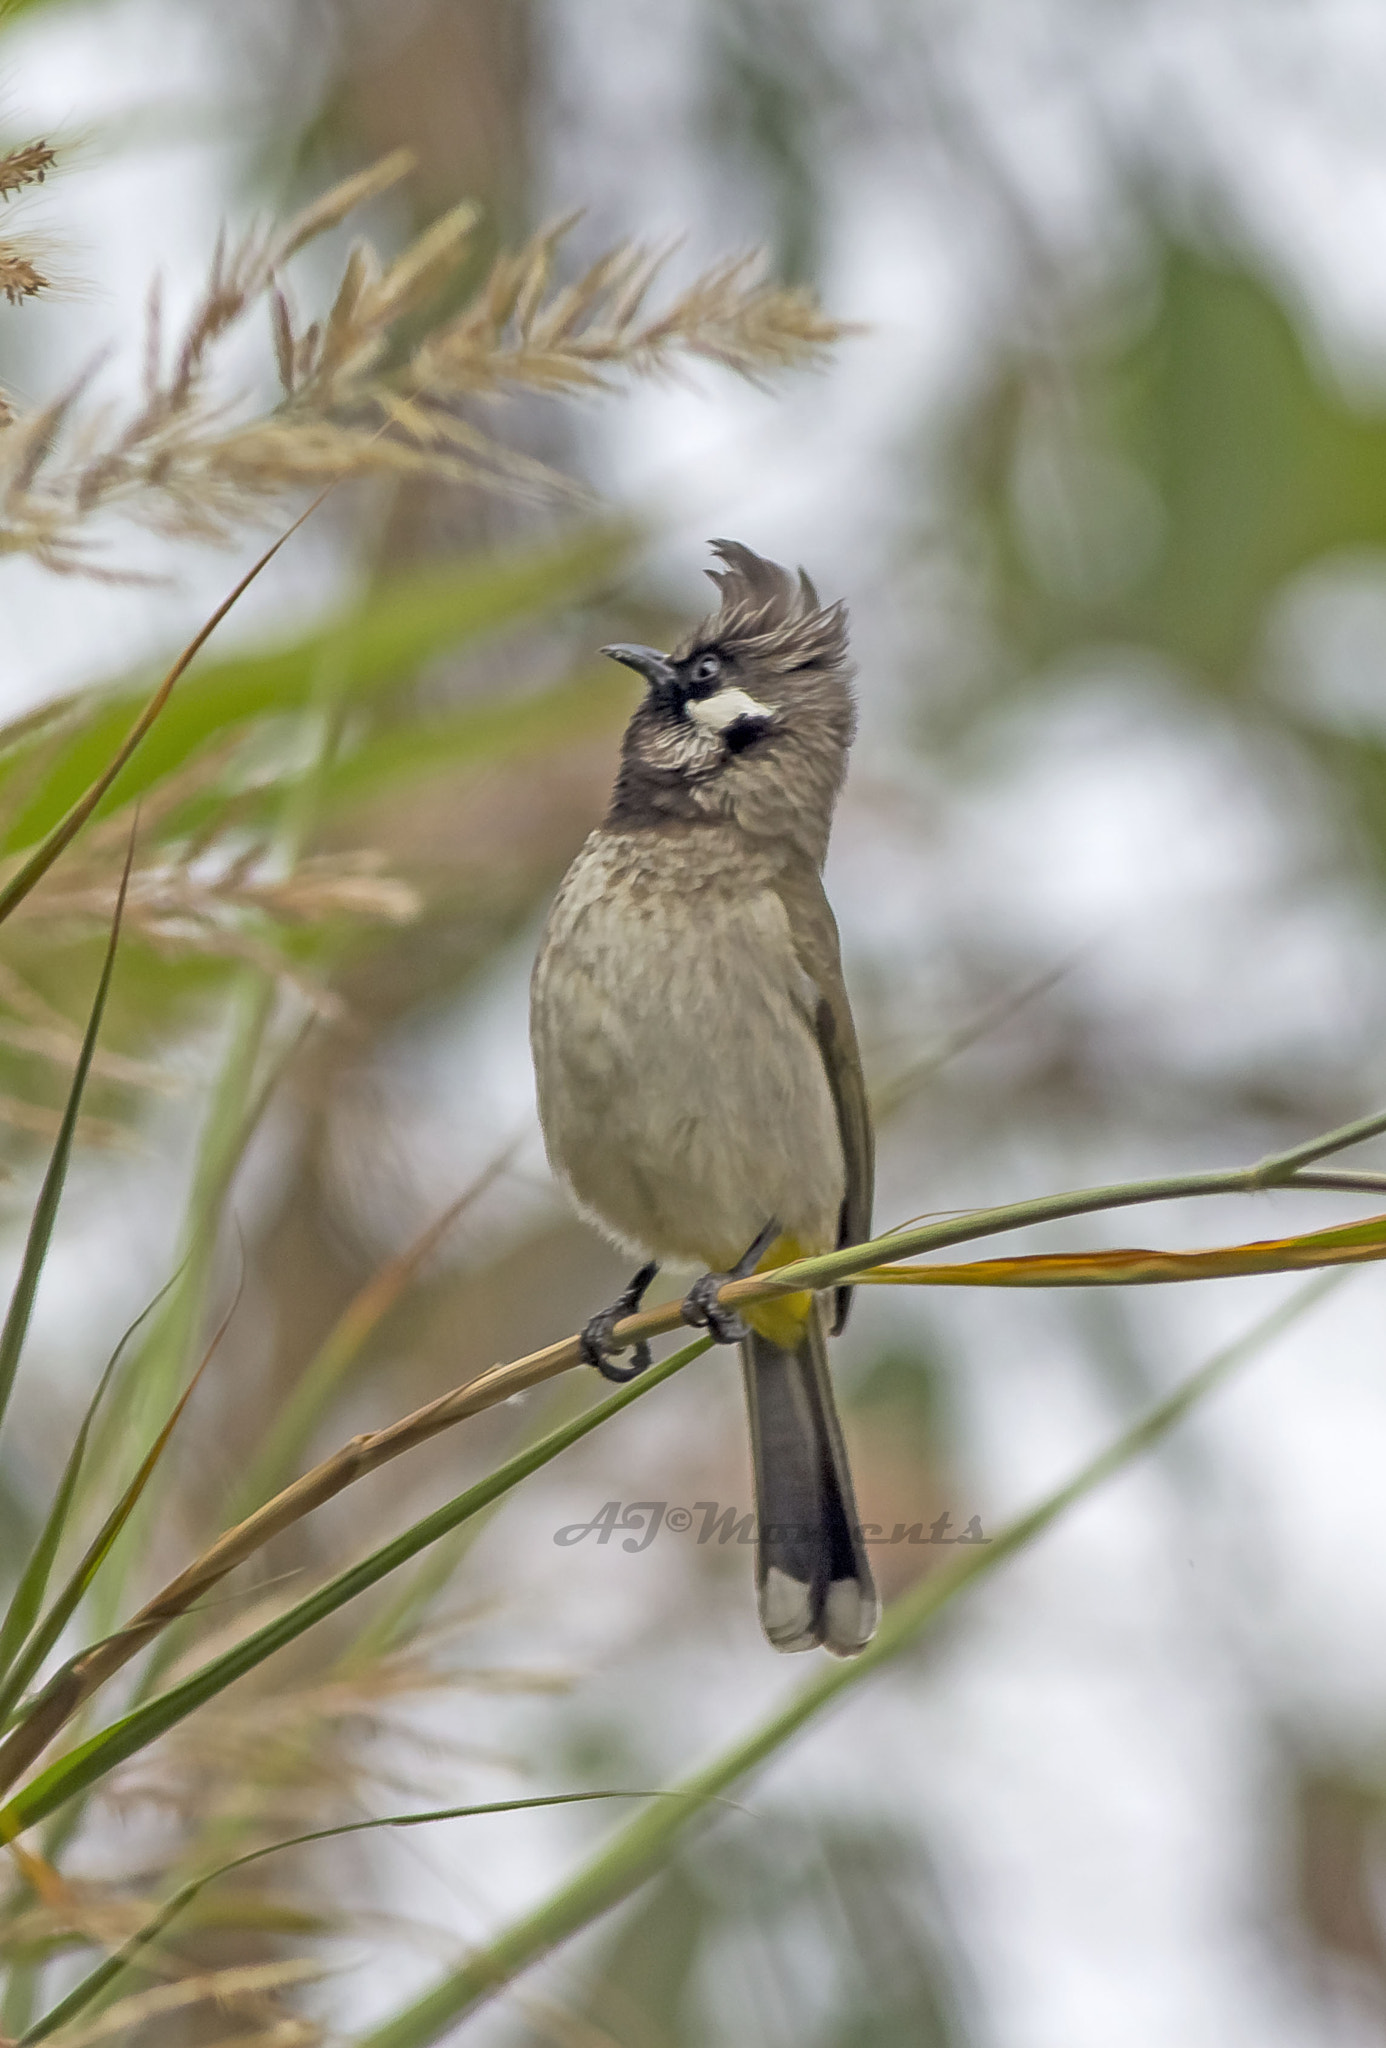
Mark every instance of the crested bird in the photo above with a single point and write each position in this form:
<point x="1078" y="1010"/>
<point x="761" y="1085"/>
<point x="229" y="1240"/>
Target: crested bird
<point x="699" y="1083"/>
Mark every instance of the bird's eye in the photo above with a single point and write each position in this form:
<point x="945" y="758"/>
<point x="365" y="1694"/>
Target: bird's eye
<point x="706" y="668"/>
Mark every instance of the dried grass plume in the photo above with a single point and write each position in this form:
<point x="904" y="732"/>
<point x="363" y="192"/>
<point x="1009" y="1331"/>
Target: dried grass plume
<point x="356" y="397"/>
<point x="20" y="276"/>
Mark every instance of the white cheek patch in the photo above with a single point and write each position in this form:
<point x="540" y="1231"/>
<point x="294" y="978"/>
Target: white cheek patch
<point x="723" y="710"/>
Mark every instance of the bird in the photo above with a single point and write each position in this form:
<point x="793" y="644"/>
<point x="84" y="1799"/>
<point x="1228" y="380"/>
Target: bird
<point x="699" y="1083"/>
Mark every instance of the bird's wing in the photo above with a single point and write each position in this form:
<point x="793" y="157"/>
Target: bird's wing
<point x="814" y="932"/>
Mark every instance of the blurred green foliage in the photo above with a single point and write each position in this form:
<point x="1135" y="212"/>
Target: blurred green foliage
<point x="1256" y="467"/>
<point x="377" y="644"/>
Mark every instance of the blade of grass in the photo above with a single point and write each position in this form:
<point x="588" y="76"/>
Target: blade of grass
<point x="145" y="1388"/>
<point x="232" y="1116"/>
<point x="65" y="1606"/>
<point x="61" y="835"/>
<point x="624" y="1863"/>
<point x="93" y="1759"/>
<point x="27" y="1599"/>
<point x="128" y="2016"/>
<point x="101" y="1979"/>
<point x="1277" y="1170"/>
<point x="16" y="1325"/>
<point x="1347" y="1245"/>
<point x="268" y="1082"/>
<point x="236" y="1106"/>
<point x="188" y="1294"/>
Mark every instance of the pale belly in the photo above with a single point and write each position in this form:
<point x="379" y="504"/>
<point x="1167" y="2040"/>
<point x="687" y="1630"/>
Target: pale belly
<point x="681" y="1090"/>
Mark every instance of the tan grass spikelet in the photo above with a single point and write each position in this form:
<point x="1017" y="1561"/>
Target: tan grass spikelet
<point x="517" y="332"/>
<point x="27" y="164"/>
<point x="231" y="1989"/>
<point x="352" y="885"/>
<point x="197" y="459"/>
<point x="100" y="1132"/>
<point x="300" y="1755"/>
<point x="39" y="1029"/>
<point x="218" y="893"/>
<point x="20" y="275"/>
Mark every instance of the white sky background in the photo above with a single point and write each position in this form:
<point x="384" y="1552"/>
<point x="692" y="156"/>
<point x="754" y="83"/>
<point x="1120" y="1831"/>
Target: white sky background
<point x="1089" y="1754"/>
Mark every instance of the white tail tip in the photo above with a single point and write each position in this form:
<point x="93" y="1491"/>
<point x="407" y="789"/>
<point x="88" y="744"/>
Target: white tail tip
<point x="850" y="1614"/>
<point x="786" y="1611"/>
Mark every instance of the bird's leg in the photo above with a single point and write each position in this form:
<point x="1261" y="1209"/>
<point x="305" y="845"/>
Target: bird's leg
<point x="595" y="1341"/>
<point x="701" y="1307"/>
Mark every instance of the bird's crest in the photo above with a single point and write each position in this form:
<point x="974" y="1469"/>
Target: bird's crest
<point x="768" y="617"/>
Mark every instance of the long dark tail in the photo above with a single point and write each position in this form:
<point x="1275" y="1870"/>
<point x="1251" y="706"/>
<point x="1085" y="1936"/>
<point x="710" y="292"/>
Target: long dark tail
<point x="812" y="1574"/>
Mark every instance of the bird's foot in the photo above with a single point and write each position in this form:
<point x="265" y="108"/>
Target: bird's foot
<point x="595" y="1342"/>
<point x="704" y="1311"/>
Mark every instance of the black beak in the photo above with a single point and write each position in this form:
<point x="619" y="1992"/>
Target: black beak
<point x="656" y="668"/>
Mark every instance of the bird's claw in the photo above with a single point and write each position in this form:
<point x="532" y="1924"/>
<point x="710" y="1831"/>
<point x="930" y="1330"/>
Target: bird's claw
<point x="595" y="1343"/>
<point x="597" y="1349"/>
<point x="704" y="1311"/>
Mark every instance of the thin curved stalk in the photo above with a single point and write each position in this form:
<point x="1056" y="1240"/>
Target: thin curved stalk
<point x="75" y="1684"/>
<point x="16" y="1324"/>
<point x="99" y="1981"/>
<point x="84" y="1766"/>
<point x="618" y="1868"/>
<point x="67" y="827"/>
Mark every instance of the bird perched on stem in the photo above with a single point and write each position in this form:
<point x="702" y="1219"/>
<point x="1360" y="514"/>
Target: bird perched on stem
<point x="700" y="1087"/>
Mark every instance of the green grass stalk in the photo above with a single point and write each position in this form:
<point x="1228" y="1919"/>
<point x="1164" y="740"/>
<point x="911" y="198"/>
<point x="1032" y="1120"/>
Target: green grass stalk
<point x="74" y="1774"/>
<point x="640" y="1848"/>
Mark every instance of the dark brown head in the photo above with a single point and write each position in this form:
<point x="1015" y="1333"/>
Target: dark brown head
<point x="750" y="719"/>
